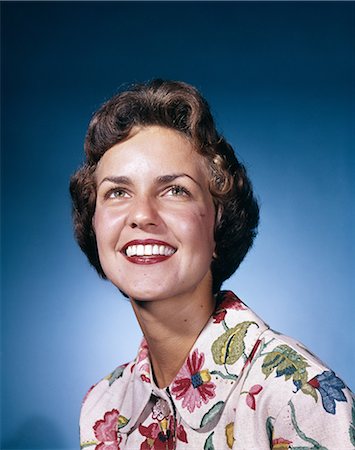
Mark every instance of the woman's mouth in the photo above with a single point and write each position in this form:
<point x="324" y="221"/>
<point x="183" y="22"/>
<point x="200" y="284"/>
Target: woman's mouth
<point x="147" y="251"/>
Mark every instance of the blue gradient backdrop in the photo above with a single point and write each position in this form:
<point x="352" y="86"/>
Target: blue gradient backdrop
<point x="280" y="80"/>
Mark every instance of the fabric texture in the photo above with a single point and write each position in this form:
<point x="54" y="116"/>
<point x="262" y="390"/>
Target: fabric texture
<point x="242" y="386"/>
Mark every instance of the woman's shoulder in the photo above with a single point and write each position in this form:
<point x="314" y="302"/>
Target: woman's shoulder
<point x="300" y="398"/>
<point x="102" y="405"/>
<point x="108" y="389"/>
<point x="286" y="369"/>
<point x="116" y="398"/>
<point x="287" y="354"/>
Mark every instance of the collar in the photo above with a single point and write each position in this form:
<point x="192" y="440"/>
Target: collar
<point x="210" y="372"/>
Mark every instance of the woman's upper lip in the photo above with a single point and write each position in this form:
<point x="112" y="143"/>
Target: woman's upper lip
<point x="146" y="242"/>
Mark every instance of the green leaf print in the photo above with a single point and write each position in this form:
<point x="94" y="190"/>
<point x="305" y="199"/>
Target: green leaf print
<point x="88" y="444"/>
<point x="225" y="376"/>
<point x="269" y="428"/>
<point x="117" y="373"/>
<point x="122" y="422"/>
<point x="230" y="346"/>
<point x="211" y="414"/>
<point x="209" y="444"/>
<point x="288" y="363"/>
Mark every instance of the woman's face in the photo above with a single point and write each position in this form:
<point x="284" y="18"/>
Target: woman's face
<point x="154" y="217"/>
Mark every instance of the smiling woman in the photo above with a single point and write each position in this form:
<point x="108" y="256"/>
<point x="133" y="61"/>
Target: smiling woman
<point x="165" y="211"/>
<point x="135" y="215"/>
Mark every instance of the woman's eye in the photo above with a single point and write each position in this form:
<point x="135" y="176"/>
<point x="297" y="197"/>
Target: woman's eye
<point x="117" y="193"/>
<point x="178" y="191"/>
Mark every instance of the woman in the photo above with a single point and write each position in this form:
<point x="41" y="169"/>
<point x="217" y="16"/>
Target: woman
<point x="164" y="210"/>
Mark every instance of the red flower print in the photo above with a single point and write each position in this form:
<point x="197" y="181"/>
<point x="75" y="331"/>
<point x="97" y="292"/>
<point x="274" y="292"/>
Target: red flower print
<point x="145" y="378"/>
<point x="106" y="431"/>
<point x="181" y="434"/>
<point x="192" y="384"/>
<point x="157" y="437"/>
<point x="230" y="301"/>
<point x="160" y="435"/>
<point x="219" y="316"/>
<point x="144" y="368"/>
<point x="280" y="444"/>
<point x="143" y="351"/>
<point x="254" y="390"/>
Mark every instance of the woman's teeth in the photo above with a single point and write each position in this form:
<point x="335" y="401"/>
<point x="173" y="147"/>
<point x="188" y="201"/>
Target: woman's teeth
<point x="149" y="250"/>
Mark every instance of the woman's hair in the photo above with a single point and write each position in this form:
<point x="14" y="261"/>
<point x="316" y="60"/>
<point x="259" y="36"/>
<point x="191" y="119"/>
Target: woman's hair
<point x="178" y="106"/>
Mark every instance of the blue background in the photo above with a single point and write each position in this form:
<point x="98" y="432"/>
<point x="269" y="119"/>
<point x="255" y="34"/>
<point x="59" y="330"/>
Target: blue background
<point x="280" y="80"/>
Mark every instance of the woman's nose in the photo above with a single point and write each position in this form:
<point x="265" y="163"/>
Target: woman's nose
<point x="143" y="213"/>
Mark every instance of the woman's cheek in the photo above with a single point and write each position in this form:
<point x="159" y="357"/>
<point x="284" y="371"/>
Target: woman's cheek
<point x="197" y="223"/>
<point x="108" y="225"/>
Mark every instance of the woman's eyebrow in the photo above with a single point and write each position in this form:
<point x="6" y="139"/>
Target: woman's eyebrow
<point x="163" y="179"/>
<point x="116" y="180"/>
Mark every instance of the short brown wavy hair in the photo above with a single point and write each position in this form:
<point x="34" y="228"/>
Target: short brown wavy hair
<point x="178" y="106"/>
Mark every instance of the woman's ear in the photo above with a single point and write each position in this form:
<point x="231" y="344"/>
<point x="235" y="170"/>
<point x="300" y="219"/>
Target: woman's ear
<point x="93" y="223"/>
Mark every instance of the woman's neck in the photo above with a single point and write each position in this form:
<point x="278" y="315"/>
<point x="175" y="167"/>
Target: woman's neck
<point x="171" y="327"/>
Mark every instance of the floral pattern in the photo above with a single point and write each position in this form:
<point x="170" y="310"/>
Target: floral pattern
<point x="286" y="362"/>
<point x="161" y="435"/>
<point x="239" y="375"/>
<point x="281" y="444"/>
<point x="144" y="366"/>
<point x="229" y="434"/>
<point x="192" y="384"/>
<point x="330" y="388"/>
<point x="106" y="431"/>
<point x="253" y="391"/>
<point x="229" y="301"/>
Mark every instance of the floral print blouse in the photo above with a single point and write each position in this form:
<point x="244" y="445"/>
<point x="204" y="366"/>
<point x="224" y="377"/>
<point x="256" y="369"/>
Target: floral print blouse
<point x="243" y="386"/>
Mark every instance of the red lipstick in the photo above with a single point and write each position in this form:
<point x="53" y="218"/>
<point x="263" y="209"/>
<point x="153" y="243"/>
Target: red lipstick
<point x="147" y="251"/>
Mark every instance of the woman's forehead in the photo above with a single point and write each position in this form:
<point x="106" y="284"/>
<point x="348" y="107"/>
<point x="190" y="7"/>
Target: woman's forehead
<point x="151" y="150"/>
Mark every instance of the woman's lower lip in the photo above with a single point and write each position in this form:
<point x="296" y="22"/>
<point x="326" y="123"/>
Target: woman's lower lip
<point x="154" y="259"/>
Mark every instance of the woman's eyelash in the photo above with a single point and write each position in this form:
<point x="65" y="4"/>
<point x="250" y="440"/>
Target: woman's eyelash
<point x="115" y="193"/>
<point x="175" y="190"/>
<point x="178" y="190"/>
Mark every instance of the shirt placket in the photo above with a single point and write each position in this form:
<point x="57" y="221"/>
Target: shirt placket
<point x="163" y="410"/>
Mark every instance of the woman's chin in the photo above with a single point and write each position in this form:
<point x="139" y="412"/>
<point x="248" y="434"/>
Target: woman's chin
<point x="150" y="294"/>
<point x="146" y="294"/>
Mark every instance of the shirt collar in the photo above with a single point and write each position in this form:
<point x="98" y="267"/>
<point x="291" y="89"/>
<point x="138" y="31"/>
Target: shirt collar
<point x="210" y="371"/>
